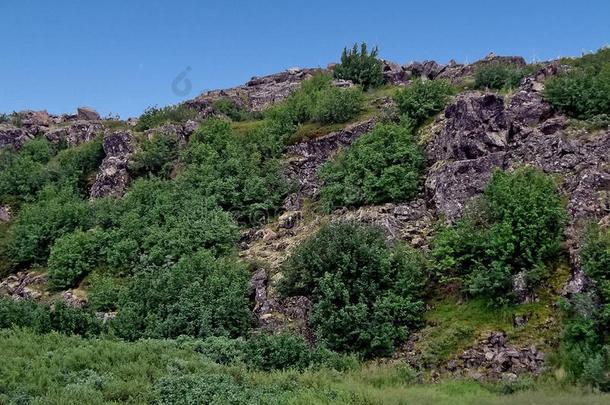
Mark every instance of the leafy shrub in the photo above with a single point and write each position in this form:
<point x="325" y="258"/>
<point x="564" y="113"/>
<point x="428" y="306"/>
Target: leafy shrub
<point x="178" y="222"/>
<point x="498" y="75"/>
<point x="422" y="99"/>
<point x="73" y="167"/>
<point x="361" y="67"/>
<point x="268" y="352"/>
<point x="74" y="321"/>
<point x="518" y="228"/>
<point x="223" y="350"/>
<point x="39" y="164"/>
<point x="366" y="295"/>
<point x="199" y="296"/>
<point x="24" y="313"/>
<point x="56" y="213"/>
<point x="582" y="352"/>
<point x="383" y="165"/>
<point x="103" y="293"/>
<point x="23" y="174"/>
<point x="336" y="105"/>
<point x="595" y="257"/>
<point x="277" y="352"/>
<point x="155" y="155"/>
<point x="234" y="174"/>
<point x="233" y="110"/>
<point x="174" y="114"/>
<point x="73" y="256"/>
<point x="207" y="388"/>
<point x="318" y="100"/>
<point x="584" y="91"/>
<point x="43" y="319"/>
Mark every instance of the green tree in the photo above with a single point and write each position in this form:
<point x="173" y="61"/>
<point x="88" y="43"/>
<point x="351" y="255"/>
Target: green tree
<point x="361" y="67"/>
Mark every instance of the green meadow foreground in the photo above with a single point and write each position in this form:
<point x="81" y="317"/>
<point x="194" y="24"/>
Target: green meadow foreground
<point x="55" y="369"/>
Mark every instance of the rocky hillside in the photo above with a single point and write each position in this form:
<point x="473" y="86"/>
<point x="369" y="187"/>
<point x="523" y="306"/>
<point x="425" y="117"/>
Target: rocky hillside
<point x="266" y="202"/>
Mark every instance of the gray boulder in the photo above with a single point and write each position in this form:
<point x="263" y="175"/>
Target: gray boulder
<point x="87" y="114"/>
<point x="113" y="177"/>
<point x="475" y="125"/>
<point x="11" y="136"/>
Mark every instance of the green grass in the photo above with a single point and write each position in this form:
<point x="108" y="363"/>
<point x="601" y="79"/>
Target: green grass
<point x="313" y="130"/>
<point x="453" y="325"/>
<point x="56" y="369"/>
<point x="244" y="127"/>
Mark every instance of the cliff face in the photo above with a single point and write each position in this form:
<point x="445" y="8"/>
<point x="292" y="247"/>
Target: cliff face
<point x="477" y="133"/>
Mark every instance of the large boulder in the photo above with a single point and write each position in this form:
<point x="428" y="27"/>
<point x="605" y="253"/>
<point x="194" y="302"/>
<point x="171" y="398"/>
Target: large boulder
<point x="113" y="177"/>
<point x="393" y="73"/>
<point x="87" y="114"/>
<point x="451" y="185"/>
<point x="11" y="136"/>
<point x="75" y="133"/>
<point x="475" y="125"/>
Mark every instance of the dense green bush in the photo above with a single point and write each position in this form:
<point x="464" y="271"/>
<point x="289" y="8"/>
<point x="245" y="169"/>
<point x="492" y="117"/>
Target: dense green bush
<point x="595" y="257"/>
<point x="581" y="94"/>
<point x="75" y="167"/>
<point x="422" y="99"/>
<point x="73" y="256"/>
<point x="582" y="352"/>
<point x="24" y="313"/>
<point x="498" y="75"/>
<point x="155" y="155"/>
<point x="336" y="105"/>
<point x="174" y="114"/>
<point x="366" y="295"/>
<point x="235" y="174"/>
<point x="384" y="165"/>
<point x="56" y="213"/>
<point x="103" y="292"/>
<point x="361" y="67"/>
<point x="209" y="388"/>
<point x="22" y="174"/>
<point x="277" y="352"/>
<point x="233" y="110"/>
<point x="516" y="227"/>
<point x="318" y="100"/>
<point x="199" y="296"/>
<point x="40" y="163"/>
<point x="268" y="352"/>
<point x="42" y="318"/>
<point x="177" y="222"/>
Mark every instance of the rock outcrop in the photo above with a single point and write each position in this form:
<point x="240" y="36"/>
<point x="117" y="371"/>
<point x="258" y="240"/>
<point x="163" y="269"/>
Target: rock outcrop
<point x="11" y="136"/>
<point x="480" y="132"/>
<point x="113" y="177"/>
<point x="306" y="158"/>
<point x="73" y="129"/>
<point x="87" y="114"/>
<point x="75" y="133"/>
<point x="493" y="359"/>
<point x="5" y="214"/>
<point x="24" y="285"/>
<point x="274" y="313"/>
<point x="257" y="93"/>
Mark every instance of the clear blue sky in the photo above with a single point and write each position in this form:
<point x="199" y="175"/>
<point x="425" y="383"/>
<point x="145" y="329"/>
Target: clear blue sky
<point x="122" y="56"/>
